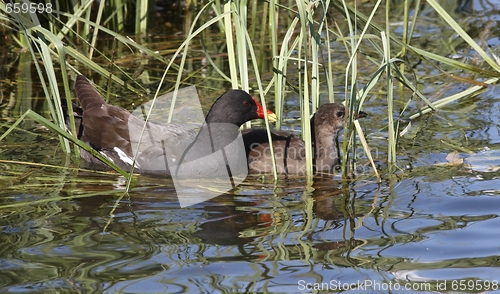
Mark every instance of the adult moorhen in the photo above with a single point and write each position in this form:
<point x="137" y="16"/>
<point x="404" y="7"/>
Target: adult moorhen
<point x="289" y="150"/>
<point x="115" y="133"/>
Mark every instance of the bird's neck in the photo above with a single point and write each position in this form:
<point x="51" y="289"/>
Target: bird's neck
<point x="325" y="150"/>
<point x="216" y="136"/>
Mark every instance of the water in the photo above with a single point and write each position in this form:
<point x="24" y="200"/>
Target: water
<point x="431" y="226"/>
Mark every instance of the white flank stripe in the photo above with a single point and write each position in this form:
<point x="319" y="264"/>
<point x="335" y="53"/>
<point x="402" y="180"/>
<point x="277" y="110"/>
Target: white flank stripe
<point x="124" y="157"/>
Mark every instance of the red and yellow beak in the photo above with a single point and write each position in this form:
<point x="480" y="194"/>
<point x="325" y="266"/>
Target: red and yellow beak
<point x="260" y="112"/>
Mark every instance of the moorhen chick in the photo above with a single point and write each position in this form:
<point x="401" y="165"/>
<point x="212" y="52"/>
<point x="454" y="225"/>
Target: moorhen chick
<point x="115" y="133"/>
<point x="289" y="150"/>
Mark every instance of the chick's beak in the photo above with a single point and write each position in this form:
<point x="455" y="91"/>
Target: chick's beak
<point x="362" y="114"/>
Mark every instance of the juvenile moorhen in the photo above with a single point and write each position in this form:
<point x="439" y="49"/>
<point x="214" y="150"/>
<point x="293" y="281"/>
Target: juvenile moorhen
<point x="115" y="133"/>
<point x="289" y="150"/>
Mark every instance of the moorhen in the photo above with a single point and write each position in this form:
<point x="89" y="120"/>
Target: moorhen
<point x="115" y="133"/>
<point x="289" y="150"/>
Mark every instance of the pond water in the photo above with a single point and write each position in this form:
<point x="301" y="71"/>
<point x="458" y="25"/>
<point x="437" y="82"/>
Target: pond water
<point x="432" y="225"/>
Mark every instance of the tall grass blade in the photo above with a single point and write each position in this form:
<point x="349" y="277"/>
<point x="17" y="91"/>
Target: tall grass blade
<point x="303" y="8"/>
<point x="37" y="34"/>
<point x="230" y="45"/>
<point x="93" y="41"/>
<point x="470" y="92"/>
<point x="362" y="139"/>
<point x="141" y="20"/>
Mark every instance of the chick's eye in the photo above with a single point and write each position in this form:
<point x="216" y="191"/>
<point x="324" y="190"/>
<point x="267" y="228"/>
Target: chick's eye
<point x="340" y="114"/>
<point x="246" y="103"/>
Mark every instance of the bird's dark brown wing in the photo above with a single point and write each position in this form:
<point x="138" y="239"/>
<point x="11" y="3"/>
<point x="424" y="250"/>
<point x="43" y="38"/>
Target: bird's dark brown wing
<point x="105" y="126"/>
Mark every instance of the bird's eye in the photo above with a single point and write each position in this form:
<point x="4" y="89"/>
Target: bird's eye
<point x="246" y="103"/>
<point x="340" y="114"/>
